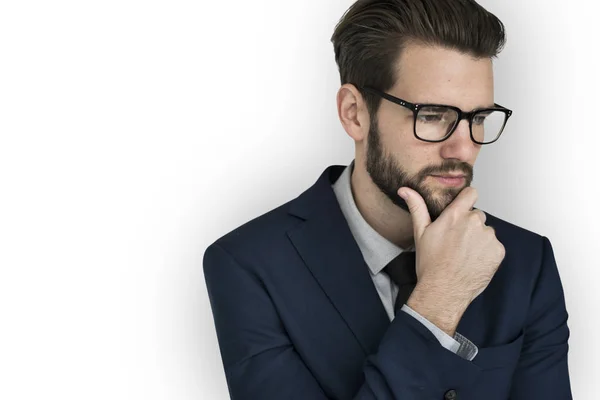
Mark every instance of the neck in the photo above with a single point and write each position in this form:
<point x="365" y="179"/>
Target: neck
<point x="387" y="219"/>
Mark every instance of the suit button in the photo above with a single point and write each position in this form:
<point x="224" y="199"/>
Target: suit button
<point x="450" y="395"/>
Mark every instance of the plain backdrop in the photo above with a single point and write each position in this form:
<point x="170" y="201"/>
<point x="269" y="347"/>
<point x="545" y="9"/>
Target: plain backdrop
<point x="135" y="133"/>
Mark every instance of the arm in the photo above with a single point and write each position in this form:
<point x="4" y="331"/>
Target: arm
<point x="260" y="360"/>
<point x="542" y="371"/>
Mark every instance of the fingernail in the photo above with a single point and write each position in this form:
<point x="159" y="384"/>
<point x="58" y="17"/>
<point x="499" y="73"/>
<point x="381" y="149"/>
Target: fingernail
<point x="403" y="194"/>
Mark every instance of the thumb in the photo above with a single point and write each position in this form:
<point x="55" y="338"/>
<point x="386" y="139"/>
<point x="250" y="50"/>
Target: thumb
<point x="418" y="210"/>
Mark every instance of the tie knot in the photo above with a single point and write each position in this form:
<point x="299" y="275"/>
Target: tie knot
<point x="402" y="269"/>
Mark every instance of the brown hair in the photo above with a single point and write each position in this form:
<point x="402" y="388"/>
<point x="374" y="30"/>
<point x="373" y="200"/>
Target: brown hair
<point x="371" y="34"/>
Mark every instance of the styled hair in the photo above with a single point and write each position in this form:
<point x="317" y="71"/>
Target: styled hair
<point x="369" y="38"/>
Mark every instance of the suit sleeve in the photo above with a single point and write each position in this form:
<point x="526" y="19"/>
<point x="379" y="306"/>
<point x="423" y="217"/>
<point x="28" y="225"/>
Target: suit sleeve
<point x="261" y="362"/>
<point x="542" y="371"/>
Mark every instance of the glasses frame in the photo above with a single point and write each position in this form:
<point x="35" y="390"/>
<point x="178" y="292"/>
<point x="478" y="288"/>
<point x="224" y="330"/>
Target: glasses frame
<point x="461" y="114"/>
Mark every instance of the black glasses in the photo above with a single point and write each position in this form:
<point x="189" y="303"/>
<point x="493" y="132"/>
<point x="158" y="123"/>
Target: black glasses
<point x="436" y="122"/>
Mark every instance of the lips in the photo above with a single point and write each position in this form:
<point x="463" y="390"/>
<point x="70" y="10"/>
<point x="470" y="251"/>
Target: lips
<point x="450" y="176"/>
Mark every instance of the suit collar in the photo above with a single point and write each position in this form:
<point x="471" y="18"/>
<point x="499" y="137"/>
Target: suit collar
<point x="312" y="199"/>
<point x="325" y="243"/>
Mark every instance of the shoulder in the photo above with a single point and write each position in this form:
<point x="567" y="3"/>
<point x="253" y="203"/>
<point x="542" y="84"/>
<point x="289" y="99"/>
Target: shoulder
<point x="524" y="244"/>
<point x="261" y="237"/>
<point x="526" y="252"/>
<point x="510" y="232"/>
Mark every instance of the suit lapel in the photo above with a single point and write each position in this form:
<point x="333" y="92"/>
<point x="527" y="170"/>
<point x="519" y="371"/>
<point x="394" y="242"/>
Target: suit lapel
<point x="328" y="249"/>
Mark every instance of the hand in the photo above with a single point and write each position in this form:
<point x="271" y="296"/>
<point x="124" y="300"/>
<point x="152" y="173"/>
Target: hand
<point x="457" y="256"/>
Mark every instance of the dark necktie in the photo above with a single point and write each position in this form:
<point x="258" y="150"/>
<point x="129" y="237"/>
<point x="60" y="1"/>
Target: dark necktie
<point x="402" y="271"/>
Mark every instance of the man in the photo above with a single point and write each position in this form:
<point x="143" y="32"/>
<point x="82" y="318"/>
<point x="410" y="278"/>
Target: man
<point x="382" y="281"/>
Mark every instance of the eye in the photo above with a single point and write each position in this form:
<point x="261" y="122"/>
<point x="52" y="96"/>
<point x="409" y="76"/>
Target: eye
<point x="429" y="118"/>
<point x="480" y="118"/>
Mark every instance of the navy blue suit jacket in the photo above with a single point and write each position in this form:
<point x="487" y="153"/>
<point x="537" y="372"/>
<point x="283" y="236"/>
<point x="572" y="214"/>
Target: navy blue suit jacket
<point x="297" y="316"/>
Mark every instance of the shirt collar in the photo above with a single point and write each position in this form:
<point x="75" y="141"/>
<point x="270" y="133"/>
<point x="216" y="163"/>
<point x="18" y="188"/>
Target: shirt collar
<point x="376" y="250"/>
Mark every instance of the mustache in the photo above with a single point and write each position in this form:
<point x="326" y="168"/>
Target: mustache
<point x="456" y="170"/>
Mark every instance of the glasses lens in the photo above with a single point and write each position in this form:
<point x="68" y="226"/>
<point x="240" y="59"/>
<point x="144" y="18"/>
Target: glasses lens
<point x="434" y="123"/>
<point x="488" y="125"/>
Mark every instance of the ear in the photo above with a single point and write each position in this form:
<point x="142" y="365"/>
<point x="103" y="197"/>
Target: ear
<point x="352" y="112"/>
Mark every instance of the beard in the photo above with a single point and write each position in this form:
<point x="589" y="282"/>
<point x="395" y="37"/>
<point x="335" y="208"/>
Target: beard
<point x="388" y="176"/>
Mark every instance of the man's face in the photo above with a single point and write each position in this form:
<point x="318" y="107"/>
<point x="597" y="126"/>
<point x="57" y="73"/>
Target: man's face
<point x="396" y="158"/>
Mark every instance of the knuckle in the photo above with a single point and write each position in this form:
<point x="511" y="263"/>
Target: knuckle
<point x="483" y="216"/>
<point x="474" y="218"/>
<point x="413" y="208"/>
<point x="502" y="249"/>
<point x="478" y="216"/>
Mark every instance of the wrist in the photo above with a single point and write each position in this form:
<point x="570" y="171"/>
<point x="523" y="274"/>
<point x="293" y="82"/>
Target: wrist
<point x="437" y="306"/>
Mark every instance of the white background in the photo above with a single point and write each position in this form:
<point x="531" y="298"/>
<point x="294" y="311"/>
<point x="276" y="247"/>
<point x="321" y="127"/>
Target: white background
<point x="133" y="134"/>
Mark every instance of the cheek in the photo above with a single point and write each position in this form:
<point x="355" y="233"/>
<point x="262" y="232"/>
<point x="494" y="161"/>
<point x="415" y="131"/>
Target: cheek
<point x="398" y="137"/>
<point x="399" y="142"/>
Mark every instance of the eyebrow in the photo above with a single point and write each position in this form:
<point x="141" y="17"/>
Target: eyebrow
<point x="493" y="105"/>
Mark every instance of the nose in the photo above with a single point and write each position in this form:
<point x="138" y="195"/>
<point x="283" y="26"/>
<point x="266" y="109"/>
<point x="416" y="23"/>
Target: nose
<point x="459" y="145"/>
<point x="462" y="130"/>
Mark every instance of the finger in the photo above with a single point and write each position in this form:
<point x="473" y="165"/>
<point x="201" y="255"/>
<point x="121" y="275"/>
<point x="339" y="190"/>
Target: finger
<point x="418" y="211"/>
<point x="481" y="215"/>
<point x="465" y="200"/>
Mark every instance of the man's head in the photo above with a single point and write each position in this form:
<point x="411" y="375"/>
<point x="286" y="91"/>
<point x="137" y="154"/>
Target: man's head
<point x="422" y="51"/>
